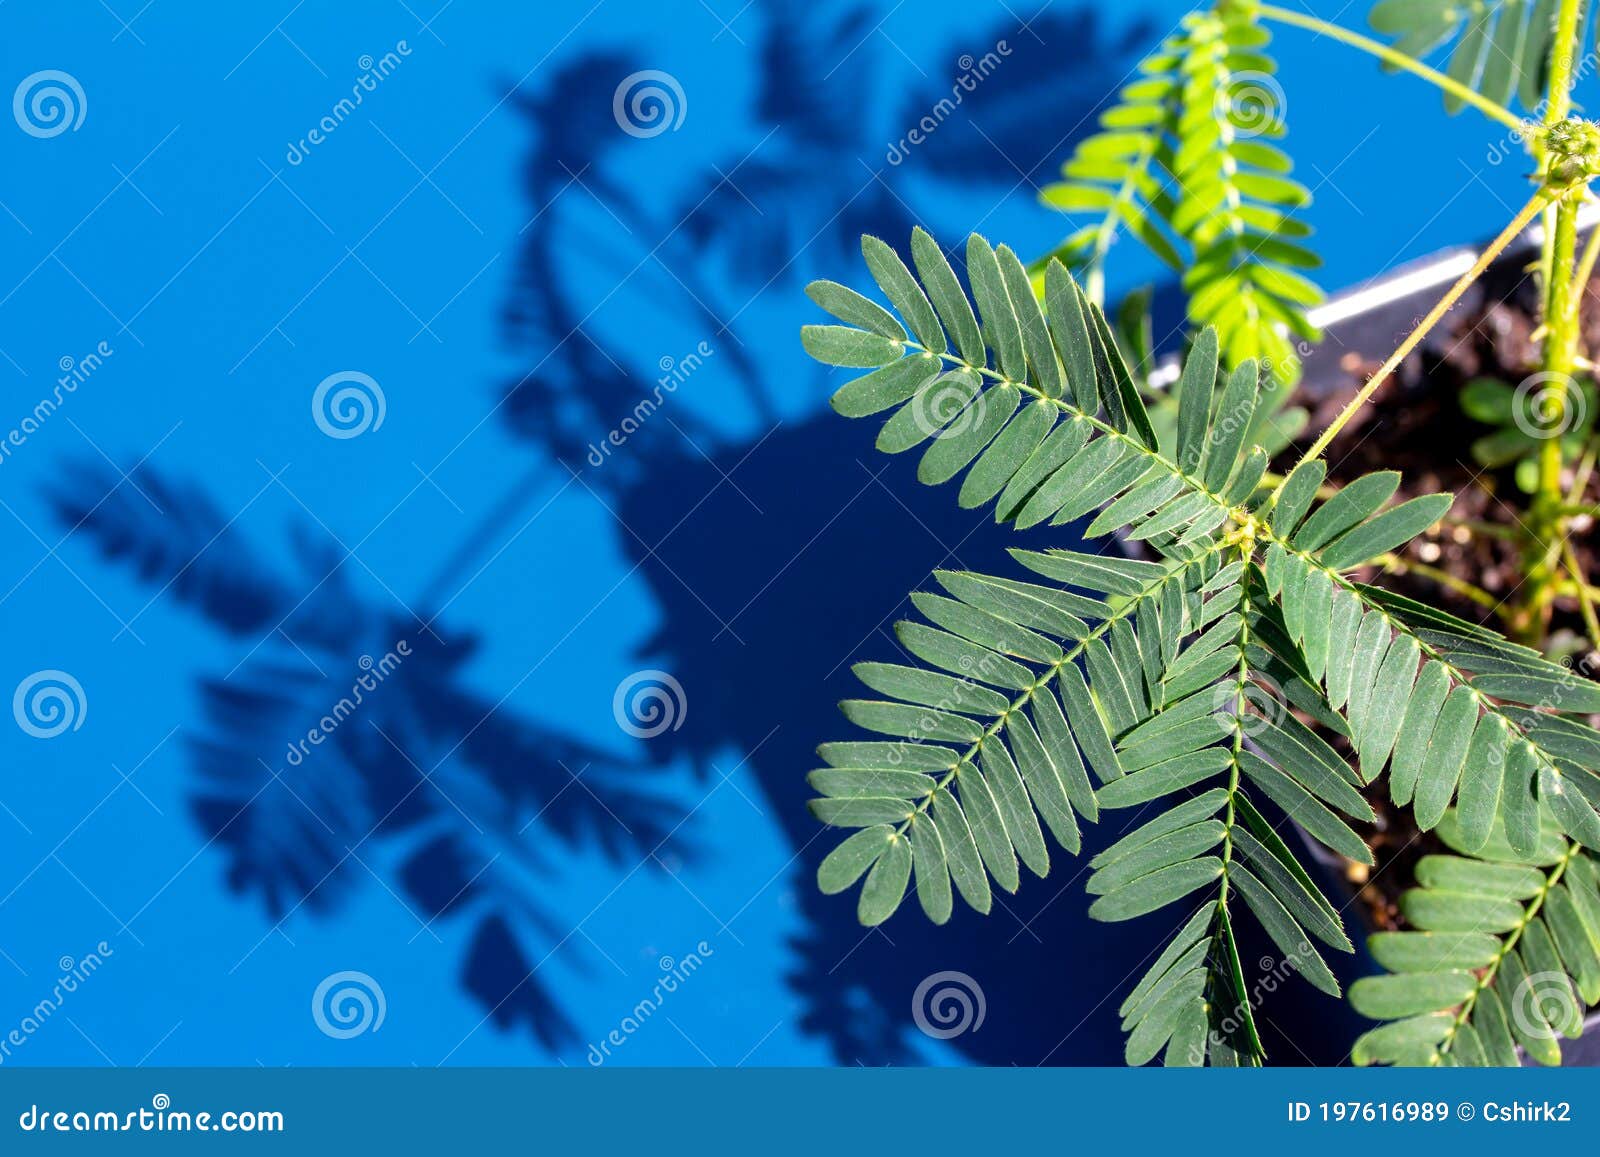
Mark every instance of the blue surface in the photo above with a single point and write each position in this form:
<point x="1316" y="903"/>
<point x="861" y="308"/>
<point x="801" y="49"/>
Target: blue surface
<point x="481" y="839"/>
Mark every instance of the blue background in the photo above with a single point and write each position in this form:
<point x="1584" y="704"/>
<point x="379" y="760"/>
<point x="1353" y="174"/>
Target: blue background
<point x="483" y="839"/>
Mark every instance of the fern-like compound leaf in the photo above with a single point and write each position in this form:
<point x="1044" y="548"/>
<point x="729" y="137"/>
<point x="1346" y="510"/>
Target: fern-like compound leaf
<point x="1197" y="683"/>
<point x="1207" y="739"/>
<point x="1502" y="959"/>
<point x="1456" y="714"/>
<point x="1184" y="162"/>
<point x="1036" y="406"/>
<point x="979" y="759"/>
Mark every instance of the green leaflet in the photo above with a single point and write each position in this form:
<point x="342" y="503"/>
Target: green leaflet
<point x="1294" y="500"/>
<point x="1479" y="877"/>
<point x="1184" y="844"/>
<point x="885" y="387"/>
<point x="1156" y="890"/>
<point x="1432" y="951"/>
<point x="904" y="291"/>
<point x="1347" y="509"/>
<point x="1195" y="388"/>
<point x="841" y="345"/>
<point x="1412" y="1041"/>
<point x="932" y="869"/>
<point x="1408" y="994"/>
<point x="849" y="861"/>
<point x="1284" y="931"/>
<point x="947" y="294"/>
<point x="853" y="781"/>
<point x="886" y="882"/>
<point x="1392" y="528"/>
<point x="850" y="307"/>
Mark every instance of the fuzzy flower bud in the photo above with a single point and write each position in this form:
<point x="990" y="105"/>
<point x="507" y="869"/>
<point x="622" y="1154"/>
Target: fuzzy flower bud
<point x="1573" y="148"/>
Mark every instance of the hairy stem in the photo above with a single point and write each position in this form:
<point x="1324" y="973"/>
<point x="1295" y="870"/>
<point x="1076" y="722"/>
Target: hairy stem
<point x="1529" y="211"/>
<point x="1394" y="564"/>
<point x="1477" y="526"/>
<point x="1558" y="101"/>
<point x="1561" y="340"/>
<point x="1486" y="977"/>
<point x="1591" y="621"/>
<point x="1548" y="522"/>
<point x="1558" y="253"/>
<point x="1580" y="279"/>
<point x="1396" y="59"/>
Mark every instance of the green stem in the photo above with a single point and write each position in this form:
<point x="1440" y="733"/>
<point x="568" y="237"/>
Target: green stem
<point x="1558" y="101"/>
<point x="1580" y="280"/>
<point x="1586" y="602"/>
<point x="1478" y="526"/>
<point x="1529" y="911"/>
<point x="1095" y="274"/>
<point x="1580" y="480"/>
<point x="1397" y="59"/>
<point x="1561" y="340"/>
<point x="1069" y="655"/>
<point x="1467" y="590"/>
<point x="1557" y="258"/>
<point x="1529" y="211"/>
<point x="1226" y="946"/>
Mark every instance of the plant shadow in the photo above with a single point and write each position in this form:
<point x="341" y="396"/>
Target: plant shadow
<point x="347" y="743"/>
<point x="776" y="559"/>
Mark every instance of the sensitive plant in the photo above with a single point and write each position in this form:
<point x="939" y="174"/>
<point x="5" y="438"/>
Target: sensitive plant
<point x="1238" y="671"/>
